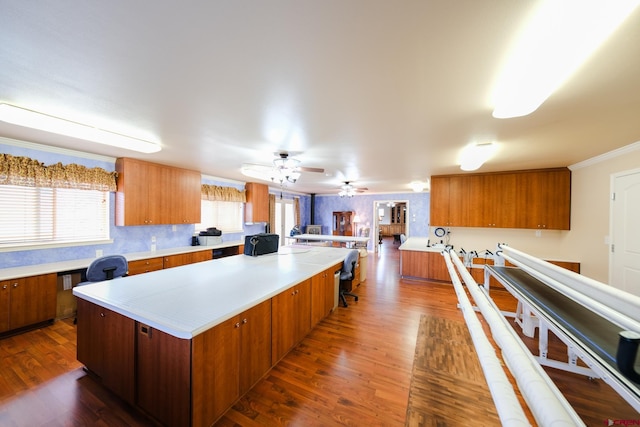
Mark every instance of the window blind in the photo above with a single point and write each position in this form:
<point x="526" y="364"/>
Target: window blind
<point x="225" y="216"/>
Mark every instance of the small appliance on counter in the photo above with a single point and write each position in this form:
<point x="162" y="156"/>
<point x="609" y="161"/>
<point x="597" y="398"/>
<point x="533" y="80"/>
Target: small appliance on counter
<point x="211" y="236"/>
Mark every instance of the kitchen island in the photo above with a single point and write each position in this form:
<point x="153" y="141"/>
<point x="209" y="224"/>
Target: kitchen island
<point x="184" y="344"/>
<point x="419" y="260"/>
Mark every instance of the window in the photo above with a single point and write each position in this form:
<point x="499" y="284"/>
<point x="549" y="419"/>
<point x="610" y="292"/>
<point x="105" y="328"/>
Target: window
<point x="225" y="216"/>
<point x="36" y="215"/>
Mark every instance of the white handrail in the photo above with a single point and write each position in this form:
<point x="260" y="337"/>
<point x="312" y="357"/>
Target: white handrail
<point x="548" y="405"/>
<point x="618" y="306"/>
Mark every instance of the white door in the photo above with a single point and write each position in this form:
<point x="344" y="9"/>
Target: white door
<point x="284" y="219"/>
<point x="624" y="271"/>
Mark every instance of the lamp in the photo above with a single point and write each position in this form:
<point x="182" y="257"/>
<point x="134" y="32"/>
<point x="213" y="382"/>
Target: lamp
<point x="474" y="155"/>
<point x="35" y="120"/>
<point x="558" y="38"/>
<point x="356" y="220"/>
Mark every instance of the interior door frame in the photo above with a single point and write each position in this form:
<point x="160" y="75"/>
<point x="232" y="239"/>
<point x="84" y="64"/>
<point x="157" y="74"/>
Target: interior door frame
<point x="376" y="221"/>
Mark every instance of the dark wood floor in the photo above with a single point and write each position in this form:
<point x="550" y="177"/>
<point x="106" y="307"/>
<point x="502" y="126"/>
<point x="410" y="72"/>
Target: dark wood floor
<point x="353" y="369"/>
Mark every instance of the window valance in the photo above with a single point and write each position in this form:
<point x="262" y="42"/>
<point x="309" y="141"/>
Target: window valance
<point x="223" y="194"/>
<point x="27" y="172"/>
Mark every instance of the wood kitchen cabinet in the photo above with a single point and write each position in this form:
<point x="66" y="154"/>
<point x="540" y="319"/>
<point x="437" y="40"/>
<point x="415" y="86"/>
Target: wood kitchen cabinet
<point x="152" y="194"/>
<point x="343" y="224"/>
<point x="163" y="371"/>
<point x="291" y="318"/>
<point x="145" y="265"/>
<point x="239" y="354"/>
<point x="545" y="199"/>
<point x="322" y="294"/>
<point x="186" y="258"/>
<point x="448" y="201"/>
<point x="539" y="199"/>
<point x="106" y="343"/>
<point x="256" y="208"/>
<point x="27" y="301"/>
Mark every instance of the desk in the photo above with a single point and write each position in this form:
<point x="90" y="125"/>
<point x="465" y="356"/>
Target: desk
<point x="330" y="238"/>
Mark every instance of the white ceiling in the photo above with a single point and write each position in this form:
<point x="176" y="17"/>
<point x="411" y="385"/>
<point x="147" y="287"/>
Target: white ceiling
<point x="376" y="92"/>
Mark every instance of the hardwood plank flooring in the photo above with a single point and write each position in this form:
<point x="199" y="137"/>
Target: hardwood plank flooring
<point x="354" y="368"/>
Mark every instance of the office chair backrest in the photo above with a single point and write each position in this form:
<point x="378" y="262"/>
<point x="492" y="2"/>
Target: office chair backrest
<point x="349" y="264"/>
<point x="107" y="268"/>
<point x="403" y="238"/>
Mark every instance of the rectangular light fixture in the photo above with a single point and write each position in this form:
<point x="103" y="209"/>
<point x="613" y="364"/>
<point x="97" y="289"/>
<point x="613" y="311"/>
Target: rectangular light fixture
<point x="558" y="38"/>
<point x="34" y="120"/>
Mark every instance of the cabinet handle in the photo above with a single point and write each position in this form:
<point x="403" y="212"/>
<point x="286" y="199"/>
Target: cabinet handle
<point x="101" y="314"/>
<point x="244" y="321"/>
<point x="237" y="325"/>
<point x="15" y="285"/>
<point x="4" y="287"/>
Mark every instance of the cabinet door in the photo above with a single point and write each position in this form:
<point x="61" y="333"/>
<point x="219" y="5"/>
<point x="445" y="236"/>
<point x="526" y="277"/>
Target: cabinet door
<point x="256" y="209"/>
<point x="255" y="345"/>
<point x="439" y="201"/>
<point x="176" y="260"/>
<point x="544" y="199"/>
<point x="438" y="267"/>
<point x="449" y="196"/>
<point x="183" y="188"/>
<point x="33" y="300"/>
<point x="5" y="290"/>
<point x="414" y="264"/>
<point x="320" y="298"/>
<point x="163" y="375"/>
<point x="291" y="317"/>
<point x="105" y="345"/>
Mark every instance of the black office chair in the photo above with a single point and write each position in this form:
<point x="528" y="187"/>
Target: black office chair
<point x="105" y="268"/>
<point x="347" y="275"/>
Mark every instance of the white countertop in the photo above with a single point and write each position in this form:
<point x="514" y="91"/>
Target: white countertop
<point x="185" y="301"/>
<point x="330" y="237"/>
<point x="419" y="244"/>
<point x="76" y="264"/>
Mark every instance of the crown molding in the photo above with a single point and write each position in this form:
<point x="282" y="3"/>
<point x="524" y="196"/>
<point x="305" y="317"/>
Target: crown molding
<point x="606" y="156"/>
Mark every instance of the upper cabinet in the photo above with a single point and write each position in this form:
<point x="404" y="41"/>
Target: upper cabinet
<point x="152" y="194"/>
<point x="539" y="199"/>
<point x="256" y="209"/>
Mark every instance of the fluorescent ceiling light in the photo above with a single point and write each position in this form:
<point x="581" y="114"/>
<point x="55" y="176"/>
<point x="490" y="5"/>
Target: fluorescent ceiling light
<point x="34" y="120"/>
<point x="474" y="155"/>
<point x="558" y="38"/>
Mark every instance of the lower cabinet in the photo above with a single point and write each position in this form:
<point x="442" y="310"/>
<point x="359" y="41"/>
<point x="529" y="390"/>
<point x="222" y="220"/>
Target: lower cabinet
<point x="228" y="360"/>
<point x="291" y="318"/>
<point x="106" y="346"/>
<point x="424" y="265"/>
<point x="163" y="375"/>
<point x="322" y="295"/>
<point x="145" y="265"/>
<point x="27" y="301"/>
<point x="186" y="258"/>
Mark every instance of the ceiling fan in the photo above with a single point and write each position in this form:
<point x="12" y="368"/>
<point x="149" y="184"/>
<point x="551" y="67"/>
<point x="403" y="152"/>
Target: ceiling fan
<point x="348" y="190"/>
<point x="284" y="169"/>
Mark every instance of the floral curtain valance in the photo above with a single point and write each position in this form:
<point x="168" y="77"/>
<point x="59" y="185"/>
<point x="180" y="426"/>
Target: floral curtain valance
<point x="223" y="194"/>
<point x="27" y="172"/>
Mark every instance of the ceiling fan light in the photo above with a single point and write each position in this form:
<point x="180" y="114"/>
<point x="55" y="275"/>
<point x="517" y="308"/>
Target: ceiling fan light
<point x="417" y="186"/>
<point x="35" y="120"/>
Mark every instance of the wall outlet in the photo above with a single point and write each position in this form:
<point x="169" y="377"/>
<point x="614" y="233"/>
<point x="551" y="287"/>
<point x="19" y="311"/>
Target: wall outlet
<point x="174" y="228"/>
<point x="153" y="247"/>
<point x="98" y="253"/>
<point x="153" y="239"/>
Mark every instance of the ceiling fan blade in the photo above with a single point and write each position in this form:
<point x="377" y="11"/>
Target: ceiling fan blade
<point x="308" y="169"/>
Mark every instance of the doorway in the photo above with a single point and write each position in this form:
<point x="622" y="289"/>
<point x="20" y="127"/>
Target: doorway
<point x="390" y="217"/>
<point x="285" y="219"/>
<point x="624" y="255"/>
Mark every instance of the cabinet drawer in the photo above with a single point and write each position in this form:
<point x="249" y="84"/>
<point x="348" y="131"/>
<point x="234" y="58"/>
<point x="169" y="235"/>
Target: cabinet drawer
<point x="145" y="265"/>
